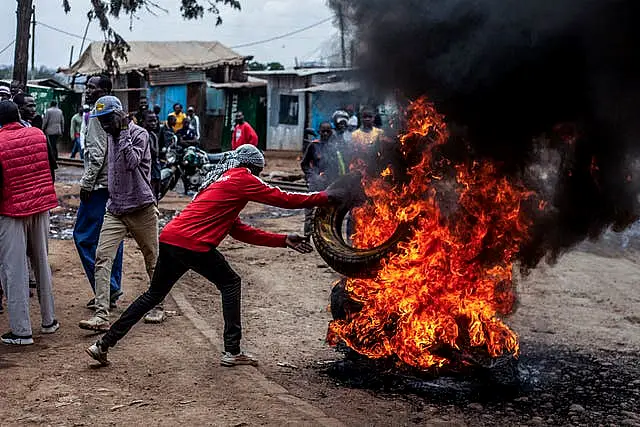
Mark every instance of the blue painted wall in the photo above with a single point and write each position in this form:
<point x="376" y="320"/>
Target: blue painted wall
<point x="324" y="104"/>
<point x="166" y="96"/>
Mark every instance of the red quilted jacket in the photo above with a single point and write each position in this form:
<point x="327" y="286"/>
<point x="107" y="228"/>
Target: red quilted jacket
<point x="27" y="186"/>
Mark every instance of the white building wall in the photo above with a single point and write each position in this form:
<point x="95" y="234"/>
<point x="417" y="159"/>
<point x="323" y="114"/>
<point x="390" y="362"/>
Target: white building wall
<point x="284" y="136"/>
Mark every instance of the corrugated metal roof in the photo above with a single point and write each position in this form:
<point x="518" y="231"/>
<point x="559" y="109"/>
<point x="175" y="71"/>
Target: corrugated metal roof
<point x="332" y="87"/>
<point x="171" y="55"/>
<point x="173" y="77"/>
<point x="251" y="82"/>
<point x="302" y="72"/>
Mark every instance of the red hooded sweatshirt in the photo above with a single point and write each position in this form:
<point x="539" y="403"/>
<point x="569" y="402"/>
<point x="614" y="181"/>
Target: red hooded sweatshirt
<point x="213" y="214"/>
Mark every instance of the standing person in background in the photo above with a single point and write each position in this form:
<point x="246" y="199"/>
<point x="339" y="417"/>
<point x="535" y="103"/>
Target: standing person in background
<point x="322" y="164"/>
<point x="5" y="93"/>
<point x="27" y="107"/>
<point x="194" y="122"/>
<point x="53" y="126"/>
<point x="131" y="207"/>
<point x="167" y="135"/>
<point x="27" y="195"/>
<point x="243" y="133"/>
<point x="157" y="110"/>
<point x="143" y="107"/>
<point x="179" y="115"/>
<point x="340" y="121"/>
<point x="352" y="123"/>
<point x="74" y="133"/>
<point x="94" y="195"/>
<point x="150" y="124"/>
<point x="367" y="135"/>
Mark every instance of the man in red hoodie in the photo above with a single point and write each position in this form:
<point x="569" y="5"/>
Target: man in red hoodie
<point x="26" y="196"/>
<point x="190" y="241"/>
<point x="243" y="133"/>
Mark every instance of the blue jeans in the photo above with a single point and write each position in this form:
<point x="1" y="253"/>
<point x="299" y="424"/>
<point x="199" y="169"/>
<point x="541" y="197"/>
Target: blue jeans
<point x="86" y="234"/>
<point x="77" y="149"/>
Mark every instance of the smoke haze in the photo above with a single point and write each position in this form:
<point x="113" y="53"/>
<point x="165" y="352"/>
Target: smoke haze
<point x="504" y="72"/>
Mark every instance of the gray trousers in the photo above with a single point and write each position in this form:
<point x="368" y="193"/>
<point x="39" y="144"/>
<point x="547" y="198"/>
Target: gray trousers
<point x="143" y="225"/>
<point x="16" y="236"/>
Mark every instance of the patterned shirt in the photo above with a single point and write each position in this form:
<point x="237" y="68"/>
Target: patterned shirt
<point x="129" y="175"/>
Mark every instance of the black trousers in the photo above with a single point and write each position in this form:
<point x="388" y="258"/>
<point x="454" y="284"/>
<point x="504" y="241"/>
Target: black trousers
<point x="53" y="140"/>
<point x="172" y="263"/>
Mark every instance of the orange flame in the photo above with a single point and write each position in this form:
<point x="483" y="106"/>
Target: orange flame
<point x="448" y="284"/>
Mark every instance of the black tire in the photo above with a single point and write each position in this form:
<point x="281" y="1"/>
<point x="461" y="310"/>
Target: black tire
<point x="345" y="259"/>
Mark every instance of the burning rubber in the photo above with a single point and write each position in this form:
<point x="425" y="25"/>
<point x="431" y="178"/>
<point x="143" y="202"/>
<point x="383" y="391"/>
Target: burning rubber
<point x="343" y="258"/>
<point x="432" y="291"/>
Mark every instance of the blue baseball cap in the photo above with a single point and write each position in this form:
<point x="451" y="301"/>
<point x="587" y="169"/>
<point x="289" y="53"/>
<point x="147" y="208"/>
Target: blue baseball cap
<point x="106" y="105"/>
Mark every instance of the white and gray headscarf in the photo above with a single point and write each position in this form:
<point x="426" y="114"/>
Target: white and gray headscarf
<point x="246" y="154"/>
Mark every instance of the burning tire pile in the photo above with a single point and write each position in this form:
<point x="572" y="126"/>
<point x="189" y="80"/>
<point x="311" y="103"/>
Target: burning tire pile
<point x="431" y="292"/>
<point x="519" y="144"/>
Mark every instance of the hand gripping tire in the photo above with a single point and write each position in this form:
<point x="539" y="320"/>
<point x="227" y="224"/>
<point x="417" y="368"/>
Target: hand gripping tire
<point x="345" y="259"/>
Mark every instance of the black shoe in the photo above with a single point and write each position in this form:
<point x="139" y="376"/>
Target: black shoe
<point x="51" y="328"/>
<point x="10" y="338"/>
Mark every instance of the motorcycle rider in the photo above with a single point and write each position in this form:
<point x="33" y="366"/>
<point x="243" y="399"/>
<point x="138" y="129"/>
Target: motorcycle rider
<point x="186" y="135"/>
<point x="190" y="241"/>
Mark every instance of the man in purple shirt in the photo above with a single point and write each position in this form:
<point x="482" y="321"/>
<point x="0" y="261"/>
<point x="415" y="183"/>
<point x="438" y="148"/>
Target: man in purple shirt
<point x="131" y="206"/>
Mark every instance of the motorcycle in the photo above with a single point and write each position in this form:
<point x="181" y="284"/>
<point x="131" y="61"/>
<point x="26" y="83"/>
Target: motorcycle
<point x="190" y="164"/>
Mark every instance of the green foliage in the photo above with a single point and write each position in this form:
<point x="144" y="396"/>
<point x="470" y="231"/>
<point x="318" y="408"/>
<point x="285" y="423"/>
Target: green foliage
<point x="115" y="46"/>
<point x="275" y="66"/>
<point x="256" y="66"/>
<point x="270" y="66"/>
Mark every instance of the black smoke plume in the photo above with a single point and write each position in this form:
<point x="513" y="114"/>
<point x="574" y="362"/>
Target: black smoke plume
<point x="505" y="73"/>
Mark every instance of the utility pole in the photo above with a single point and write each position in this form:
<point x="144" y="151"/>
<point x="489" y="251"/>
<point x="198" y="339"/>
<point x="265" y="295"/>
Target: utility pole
<point x="342" y="42"/>
<point x="84" y="37"/>
<point x="21" y="56"/>
<point x="33" y="42"/>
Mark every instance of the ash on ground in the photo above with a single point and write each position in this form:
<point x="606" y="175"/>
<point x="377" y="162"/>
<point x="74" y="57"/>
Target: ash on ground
<point x="550" y="385"/>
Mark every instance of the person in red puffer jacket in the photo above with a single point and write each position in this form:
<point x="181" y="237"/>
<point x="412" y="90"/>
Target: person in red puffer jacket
<point x="26" y="196"/>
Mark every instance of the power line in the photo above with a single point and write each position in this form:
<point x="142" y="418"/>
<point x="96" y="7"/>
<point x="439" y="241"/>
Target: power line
<point x="7" y="46"/>
<point x="282" y="36"/>
<point x="61" y="31"/>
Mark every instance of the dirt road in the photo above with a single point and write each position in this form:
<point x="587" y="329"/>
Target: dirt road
<point x="578" y="321"/>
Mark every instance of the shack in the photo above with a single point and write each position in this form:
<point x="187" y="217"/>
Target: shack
<point x="187" y="72"/>
<point x="292" y="106"/>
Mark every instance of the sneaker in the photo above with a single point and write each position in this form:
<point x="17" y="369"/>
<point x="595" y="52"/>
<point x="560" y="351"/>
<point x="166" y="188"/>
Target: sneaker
<point x="95" y="324"/>
<point x="51" y="328"/>
<point x="98" y="353"/>
<point x="10" y="338"/>
<point x="155" y="315"/>
<point x="91" y="305"/>
<point x="241" y="358"/>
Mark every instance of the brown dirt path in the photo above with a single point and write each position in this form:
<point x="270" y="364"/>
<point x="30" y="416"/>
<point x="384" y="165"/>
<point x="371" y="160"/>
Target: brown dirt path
<point x="159" y="374"/>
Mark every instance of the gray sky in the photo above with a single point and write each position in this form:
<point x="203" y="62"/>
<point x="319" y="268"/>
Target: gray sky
<point x="258" y="20"/>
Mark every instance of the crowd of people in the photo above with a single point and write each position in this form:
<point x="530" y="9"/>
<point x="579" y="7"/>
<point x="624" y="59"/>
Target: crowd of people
<point x="117" y="197"/>
<point x="328" y="156"/>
